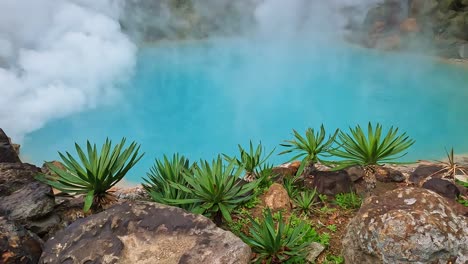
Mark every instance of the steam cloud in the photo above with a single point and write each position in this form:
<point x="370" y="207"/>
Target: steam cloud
<point x="58" y="57"/>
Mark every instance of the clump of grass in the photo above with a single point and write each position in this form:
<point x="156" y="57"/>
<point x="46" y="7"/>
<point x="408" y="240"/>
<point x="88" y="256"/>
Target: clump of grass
<point x="348" y="200"/>
<point x="305" y="200"/>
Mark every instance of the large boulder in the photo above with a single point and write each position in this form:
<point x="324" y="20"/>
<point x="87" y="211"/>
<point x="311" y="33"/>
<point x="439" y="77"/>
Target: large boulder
<point x="144" y="232"/>
<point x="7" y="150"/>
<point x="406" y="225"/>
<point x="25" y="200"/>
<point x="18" y="245"/>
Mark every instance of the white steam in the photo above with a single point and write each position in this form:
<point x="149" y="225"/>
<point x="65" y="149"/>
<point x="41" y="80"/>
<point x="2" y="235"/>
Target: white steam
<point x="58" y="57"/>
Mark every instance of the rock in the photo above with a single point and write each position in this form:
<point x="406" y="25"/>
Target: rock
<point x="277" y="198"/>
<point x="442" y="187"/>
<point x="355" y="173"/>
<point x="391" y="42"/>
<point x="332" y="182"/>
<point x="406" y="225"/>
<point x="424" y="171"/>
<point x="315" y="249"/>
<point x="25" y="200"/>
<point x="386" y="174"/>
<point x="463" y="51"/>
<point x="17" y="245"/>
<point x="285" y="170"/>
<point x="34" y="200"/>
<point x="409" y="25"/>
<point x="8" y="153"/>
<point x="144" y="232"/>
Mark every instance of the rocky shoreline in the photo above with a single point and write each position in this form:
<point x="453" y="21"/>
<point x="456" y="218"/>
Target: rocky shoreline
<point x="414" y="201"/>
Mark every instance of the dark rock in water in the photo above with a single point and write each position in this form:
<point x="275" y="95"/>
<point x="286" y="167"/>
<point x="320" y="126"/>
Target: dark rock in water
<point x="332" y="182"/>
<point x="422" y="172"/>
<point x="144" y="232"/>
<point x="442" y="187"/>
<point x="386" y="174"/>
<point x="17" y="245"/>
<point x="8" y="153"/>
<point x="406" y="225"/>
<point x="24" y="199"/>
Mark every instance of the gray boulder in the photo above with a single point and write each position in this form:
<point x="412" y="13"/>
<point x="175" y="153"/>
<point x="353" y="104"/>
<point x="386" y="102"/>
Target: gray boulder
<point x="406" y="225"/>
<point x="25" y="200"/>
<point x="144" y="232"/>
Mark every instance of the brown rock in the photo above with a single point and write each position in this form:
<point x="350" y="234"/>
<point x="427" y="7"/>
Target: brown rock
<point x="406" y="225"/>
<point x="277" y="198"/>
<point x="144" y="232"/>
<point x="386" y="174"/>
<point x="8" y="153"/>
<point x="331" y="182"/>
<point x="442" y="187"/>
<point x="25" y="200"/>
<point x="425" y="171"/>
<point x="17" y="245"/>
<point x="409" y="25"/>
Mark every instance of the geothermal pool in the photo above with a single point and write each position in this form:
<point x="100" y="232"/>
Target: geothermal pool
<point x="203" y="98"/>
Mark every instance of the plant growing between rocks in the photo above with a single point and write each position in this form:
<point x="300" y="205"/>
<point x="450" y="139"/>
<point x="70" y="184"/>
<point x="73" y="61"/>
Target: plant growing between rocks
<point x="370" y="149"/>
<point x="215" y="189"/>
<point x="348" y="200"/>
<point x="278" y="242"/>
<point x="310" y="148"/>
<point x="450" y="168"/>
<point x="95" y="173"/>
<point x="160" y="179"/>
<point x="305" y="200"/>
<point x="250" y="160"/>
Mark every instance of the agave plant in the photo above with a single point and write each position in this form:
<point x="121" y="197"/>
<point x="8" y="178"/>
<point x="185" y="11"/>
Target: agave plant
<point x="310" y="148"/>
<point x="250" y="160"/>
<point x="215" y="189"/>
<point x="97" y="172"/>
<point x="162" y="174"/>
<point x="451" y="168"/>
<point x="306" y="200"/>
<point x="278" y="243"/>
<point x="370" y="149"/>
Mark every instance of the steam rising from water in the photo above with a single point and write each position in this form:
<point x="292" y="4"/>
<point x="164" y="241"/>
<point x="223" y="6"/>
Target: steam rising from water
<point x="58" y="58"/>
<point x="61" y="57"/>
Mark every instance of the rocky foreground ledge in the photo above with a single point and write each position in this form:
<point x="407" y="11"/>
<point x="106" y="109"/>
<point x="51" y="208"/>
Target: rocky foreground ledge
<point x="411" y="218"/>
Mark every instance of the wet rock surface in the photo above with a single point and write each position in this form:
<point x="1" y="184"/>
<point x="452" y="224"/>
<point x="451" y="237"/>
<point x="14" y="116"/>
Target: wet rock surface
<point x="142" y="232"/>
<point x="406" y="225"/>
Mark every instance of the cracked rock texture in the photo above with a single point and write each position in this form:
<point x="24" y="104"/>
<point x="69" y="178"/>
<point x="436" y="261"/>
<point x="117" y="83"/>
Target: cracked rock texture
<point x="143" y="232"/>
<point x="407" y="225"/>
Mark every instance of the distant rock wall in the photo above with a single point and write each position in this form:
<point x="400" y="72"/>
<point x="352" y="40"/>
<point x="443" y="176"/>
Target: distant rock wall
<point x="153" y="20"/>
<point x="440" y="25"/>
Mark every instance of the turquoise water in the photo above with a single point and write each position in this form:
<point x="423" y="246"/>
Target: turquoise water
<point x="201" y="99"/>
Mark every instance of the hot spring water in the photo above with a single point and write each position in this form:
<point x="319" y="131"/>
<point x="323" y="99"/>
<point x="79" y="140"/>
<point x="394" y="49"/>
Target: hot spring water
<point x="201" y="99"/>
